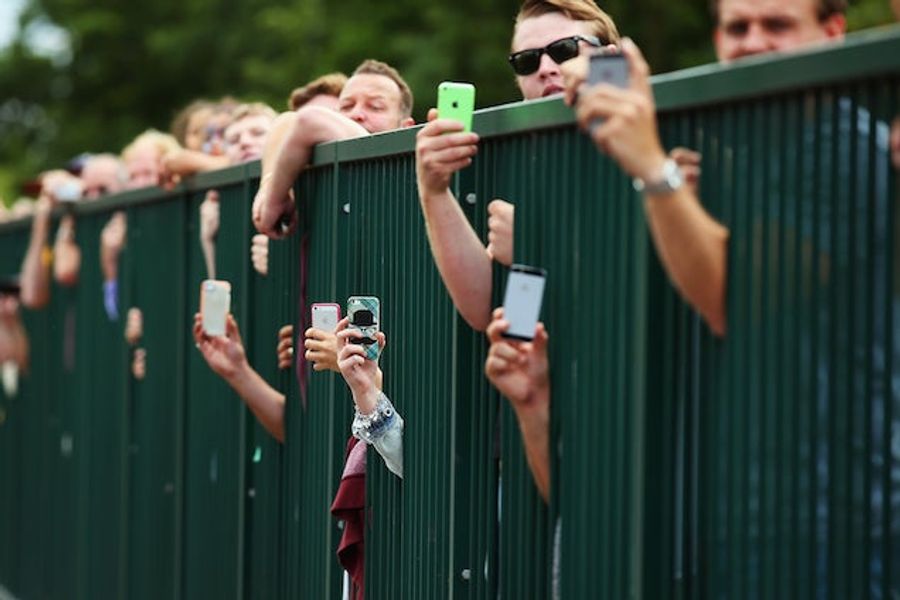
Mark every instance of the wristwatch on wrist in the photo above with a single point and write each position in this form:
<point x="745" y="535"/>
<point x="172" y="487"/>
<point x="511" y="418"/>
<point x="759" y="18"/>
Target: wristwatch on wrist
<point x="669" y="180"/>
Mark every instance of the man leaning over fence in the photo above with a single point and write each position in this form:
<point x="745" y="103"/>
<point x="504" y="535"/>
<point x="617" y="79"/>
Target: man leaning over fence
<point x="694" y="247"/>
<point x="547" y="34"/>
<point x="374" y="99"/>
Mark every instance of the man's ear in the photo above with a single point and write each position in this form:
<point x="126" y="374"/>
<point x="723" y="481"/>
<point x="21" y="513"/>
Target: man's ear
<point x="835" y="26"/>
<point x="407" y="122"/>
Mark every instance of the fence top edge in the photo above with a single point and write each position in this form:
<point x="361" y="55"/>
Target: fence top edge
<point x="862" y="54"/>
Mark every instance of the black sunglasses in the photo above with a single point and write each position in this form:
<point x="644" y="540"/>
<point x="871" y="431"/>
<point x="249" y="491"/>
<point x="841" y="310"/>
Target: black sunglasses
<point x="526" y="62"/>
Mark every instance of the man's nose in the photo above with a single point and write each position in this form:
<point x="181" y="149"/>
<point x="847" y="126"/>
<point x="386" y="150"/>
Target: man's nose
<point x="548" y="67"/>
<point x="357" y="115"/>
<point x="757" y="41"/>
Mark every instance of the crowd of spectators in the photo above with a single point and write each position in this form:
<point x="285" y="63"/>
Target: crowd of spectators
<point x="551" y="41"/>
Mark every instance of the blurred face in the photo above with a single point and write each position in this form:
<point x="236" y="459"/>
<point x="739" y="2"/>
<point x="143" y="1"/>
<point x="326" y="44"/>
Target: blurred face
<point x="244" y="139"/>
<point x="214" y="133"/>
<point x="537" y="32"/>
<point x="100" y="177"/>
<point x="373" y="101"/>
<point x="143" y="165"/>
<point x="196" y="129"/>
<point x="748" y="27"/>
<point x="328" y="101"/>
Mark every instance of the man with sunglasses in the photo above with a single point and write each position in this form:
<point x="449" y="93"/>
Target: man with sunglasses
<point x="547" y="33"/>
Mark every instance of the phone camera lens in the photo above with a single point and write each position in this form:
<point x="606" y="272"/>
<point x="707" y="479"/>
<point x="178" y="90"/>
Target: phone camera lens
<point x="456" y="105"/>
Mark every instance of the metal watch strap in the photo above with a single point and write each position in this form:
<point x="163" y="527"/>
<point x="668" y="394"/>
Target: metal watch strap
<point x="669" y="180"/>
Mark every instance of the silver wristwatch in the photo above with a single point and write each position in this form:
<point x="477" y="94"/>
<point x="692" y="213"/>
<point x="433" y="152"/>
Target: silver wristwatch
<point x="669" y="180"/>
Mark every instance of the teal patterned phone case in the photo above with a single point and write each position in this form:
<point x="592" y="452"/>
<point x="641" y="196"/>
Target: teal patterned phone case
<point x="364" y="313"/>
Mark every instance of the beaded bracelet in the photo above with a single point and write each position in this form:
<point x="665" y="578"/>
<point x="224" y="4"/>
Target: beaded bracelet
<point x="372" y="426"/>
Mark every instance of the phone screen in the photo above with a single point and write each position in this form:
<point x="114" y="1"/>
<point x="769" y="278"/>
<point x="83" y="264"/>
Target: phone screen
<point x="522" y="301"/>
<point x="608" y="68"/>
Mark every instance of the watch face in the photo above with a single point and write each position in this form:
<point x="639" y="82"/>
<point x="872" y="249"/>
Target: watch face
<point x="669" y="180"/>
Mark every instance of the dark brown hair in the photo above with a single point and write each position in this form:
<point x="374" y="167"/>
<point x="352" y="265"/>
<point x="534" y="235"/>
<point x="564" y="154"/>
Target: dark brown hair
<point x="326" y="85"/>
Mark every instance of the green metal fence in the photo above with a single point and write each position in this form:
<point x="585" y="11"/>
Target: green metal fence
<point x="764" y="465"/>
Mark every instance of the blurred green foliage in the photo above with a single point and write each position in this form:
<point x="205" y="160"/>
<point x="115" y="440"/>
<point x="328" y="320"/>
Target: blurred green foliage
<point x="132" y="65"/>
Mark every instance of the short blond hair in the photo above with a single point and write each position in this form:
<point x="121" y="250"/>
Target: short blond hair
<point x="376" y="67"/>
<point x="162" y="142"/>
<point x="252" y="109"/>
<point x="330" y="84"/>
<point x="602" y="25"/>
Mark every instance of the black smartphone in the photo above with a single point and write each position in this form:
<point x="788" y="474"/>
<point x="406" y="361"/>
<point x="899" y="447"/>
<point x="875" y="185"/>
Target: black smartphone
<point x="608" y="67"/>
<point x="522" y="301"/>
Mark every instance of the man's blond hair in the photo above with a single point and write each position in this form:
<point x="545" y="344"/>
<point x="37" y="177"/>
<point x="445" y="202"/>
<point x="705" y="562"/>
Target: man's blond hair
<point x="601" y="23"/>
<point x="376" y="67"/>
<point x="162" y="142"/>
<point x="330" y="84"/>
<point x="252" y="109"/>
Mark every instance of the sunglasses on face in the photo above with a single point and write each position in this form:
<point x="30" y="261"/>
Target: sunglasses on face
<point x="526" y="62"/>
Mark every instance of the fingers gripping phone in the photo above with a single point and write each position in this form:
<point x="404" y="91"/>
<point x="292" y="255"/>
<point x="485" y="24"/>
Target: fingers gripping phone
<point x="522" y="301"/>
<point x="325" y="316"/>
<point x="456" y="101"/>
<point x="215" y="304"/>
<point x="364" y="313"/>
<point x="609" y="67"/>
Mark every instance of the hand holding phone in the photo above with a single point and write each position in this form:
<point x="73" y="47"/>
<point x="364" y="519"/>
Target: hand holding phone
<point x="522" y="301"/>
<point x="456" y="101"/>
<point x="215" y="304"/>
<point x="364" y="313"/>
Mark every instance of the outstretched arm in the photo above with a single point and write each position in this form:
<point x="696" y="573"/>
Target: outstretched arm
<point x="464" y="264"/>
<point x="691" y="244"/>
<point x="376" y="421"/>
<point x="226" y="357"/>
<point x="521" y="373"/>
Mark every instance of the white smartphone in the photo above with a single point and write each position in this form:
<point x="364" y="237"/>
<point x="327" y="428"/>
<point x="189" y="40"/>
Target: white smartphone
<point x="215" y="304"/>
<point x="70" y="191"/>
<point x="522" y="301"/>
<point x="325" y="316"/>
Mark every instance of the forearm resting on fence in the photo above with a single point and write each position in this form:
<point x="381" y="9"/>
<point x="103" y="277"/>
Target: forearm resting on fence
<point x="693" y="248"/>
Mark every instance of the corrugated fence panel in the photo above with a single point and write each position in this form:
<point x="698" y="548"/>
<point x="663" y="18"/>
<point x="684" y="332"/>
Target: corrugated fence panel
<point x="154" y="283"/>
<point x="762" y="465"/>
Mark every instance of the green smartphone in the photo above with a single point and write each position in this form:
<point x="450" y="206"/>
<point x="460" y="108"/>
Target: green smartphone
<point x="456" y="101"/>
